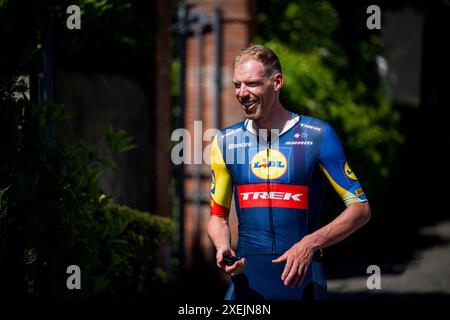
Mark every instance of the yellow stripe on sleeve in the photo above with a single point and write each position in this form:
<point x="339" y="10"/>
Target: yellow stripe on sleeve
<point x="221" y="180"/>
<point x="345" y="195"/>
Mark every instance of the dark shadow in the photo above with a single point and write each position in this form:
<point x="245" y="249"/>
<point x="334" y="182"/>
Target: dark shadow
<point x="242" y="290"/>
<point x="392" y="238"/>
<point x="201" y="281"/>
<point x="413" y="193"/>
<point x="363" y="295"/>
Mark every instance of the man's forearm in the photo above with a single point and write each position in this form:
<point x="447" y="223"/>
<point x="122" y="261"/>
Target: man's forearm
<point x="351" y="219"/>
<point x="219" y="232"/>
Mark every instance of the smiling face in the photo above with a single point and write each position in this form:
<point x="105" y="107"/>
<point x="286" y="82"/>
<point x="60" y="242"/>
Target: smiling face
<point x="255" y="91"/>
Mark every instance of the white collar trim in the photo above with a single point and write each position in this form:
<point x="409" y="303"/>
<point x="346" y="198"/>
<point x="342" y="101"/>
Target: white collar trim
<point x="250" y="126"/>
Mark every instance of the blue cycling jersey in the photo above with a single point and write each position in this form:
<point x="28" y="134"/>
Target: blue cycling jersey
<point x="277" y="181"/>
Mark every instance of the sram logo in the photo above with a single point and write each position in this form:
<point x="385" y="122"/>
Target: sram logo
<point x="273" y="195"/>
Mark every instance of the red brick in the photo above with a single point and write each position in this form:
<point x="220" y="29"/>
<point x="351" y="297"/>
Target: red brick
<point x="235" y="36"/>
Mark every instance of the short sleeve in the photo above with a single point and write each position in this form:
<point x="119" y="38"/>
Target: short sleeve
<point x="337" y="170"/>
<point x="221" y="182"/>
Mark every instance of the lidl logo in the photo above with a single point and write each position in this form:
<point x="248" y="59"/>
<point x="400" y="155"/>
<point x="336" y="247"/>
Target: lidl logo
<point x="213" y="182"/>
<point x="269" y="164"/>
<point x="348" y="172"/>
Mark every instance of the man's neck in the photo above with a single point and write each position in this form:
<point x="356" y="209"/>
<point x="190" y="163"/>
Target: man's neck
<point x="276" y="119"/>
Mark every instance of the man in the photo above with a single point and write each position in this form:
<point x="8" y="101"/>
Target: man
<point x="275" y="162"/>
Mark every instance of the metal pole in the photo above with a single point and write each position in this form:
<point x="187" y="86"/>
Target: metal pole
<point x="198" y="31"/>
<point x="182" y="30"/>
<point x="217" y="24"/>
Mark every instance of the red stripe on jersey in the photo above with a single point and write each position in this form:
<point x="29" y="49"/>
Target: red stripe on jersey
<point x="273" y="195"/>
<point x="218" y="210"/>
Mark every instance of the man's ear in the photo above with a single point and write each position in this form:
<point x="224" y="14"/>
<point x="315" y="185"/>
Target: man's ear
<point x="278" y="81"/>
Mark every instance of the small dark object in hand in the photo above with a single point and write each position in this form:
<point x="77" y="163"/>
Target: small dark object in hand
<point x="230" y="260"/>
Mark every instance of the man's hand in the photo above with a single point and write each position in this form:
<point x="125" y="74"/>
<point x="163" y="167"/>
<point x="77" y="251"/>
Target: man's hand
<point x="297" y="259"/>
<point x="234" y="269"/>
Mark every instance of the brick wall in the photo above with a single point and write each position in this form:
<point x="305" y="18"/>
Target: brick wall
<point x="236" y="34"/>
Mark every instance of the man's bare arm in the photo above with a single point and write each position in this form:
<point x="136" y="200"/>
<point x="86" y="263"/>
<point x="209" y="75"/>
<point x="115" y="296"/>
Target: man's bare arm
<point x="299" y="256"/>
<point x="219" y="233"/>
<point x="351" y="219"/>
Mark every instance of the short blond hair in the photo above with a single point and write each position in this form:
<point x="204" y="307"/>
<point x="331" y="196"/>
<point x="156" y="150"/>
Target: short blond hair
<point x="267" y="57"/>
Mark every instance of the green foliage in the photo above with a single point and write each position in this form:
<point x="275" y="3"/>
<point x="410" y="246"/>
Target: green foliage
<point x="56" y="215"/>
<point x="3" y="204"/>
<point x="114" y="34"/>
<point x="3" y="3"/>
<point x="118" y="141"/>
<point x="312" y="88"/>
<point x="304" y="25"/>
<point x="128" y="241"/>
<point x="329" y="65"/>
<point x="52" y="212"/>
<point x="120" y="261"/>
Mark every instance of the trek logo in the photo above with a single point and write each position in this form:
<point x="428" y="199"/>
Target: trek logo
<point x="308" y="126"/>
<point x="273" y="195"/>
<point x="269" y="164"/>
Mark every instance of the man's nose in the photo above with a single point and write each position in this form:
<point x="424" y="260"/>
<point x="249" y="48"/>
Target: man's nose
<point x="243" y="91"/>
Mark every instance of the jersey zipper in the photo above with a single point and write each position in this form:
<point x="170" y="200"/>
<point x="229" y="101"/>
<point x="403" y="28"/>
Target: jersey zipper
<point x="272" y="227"/>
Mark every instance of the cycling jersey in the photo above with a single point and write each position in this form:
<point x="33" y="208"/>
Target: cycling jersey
<point x="277" y="182"/>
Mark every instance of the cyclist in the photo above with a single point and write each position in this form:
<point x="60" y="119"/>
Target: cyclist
<point x="275" y="163"/>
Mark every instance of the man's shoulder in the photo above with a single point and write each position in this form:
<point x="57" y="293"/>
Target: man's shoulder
<point x="233" y="129"/>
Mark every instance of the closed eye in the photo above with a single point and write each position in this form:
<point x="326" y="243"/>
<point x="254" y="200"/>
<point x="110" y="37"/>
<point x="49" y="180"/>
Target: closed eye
<point x="254" y="84"/>
<point x="251" y="84"/>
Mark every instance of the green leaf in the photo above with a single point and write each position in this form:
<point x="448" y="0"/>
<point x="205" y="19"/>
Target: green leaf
<point x="118" y="141"/>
